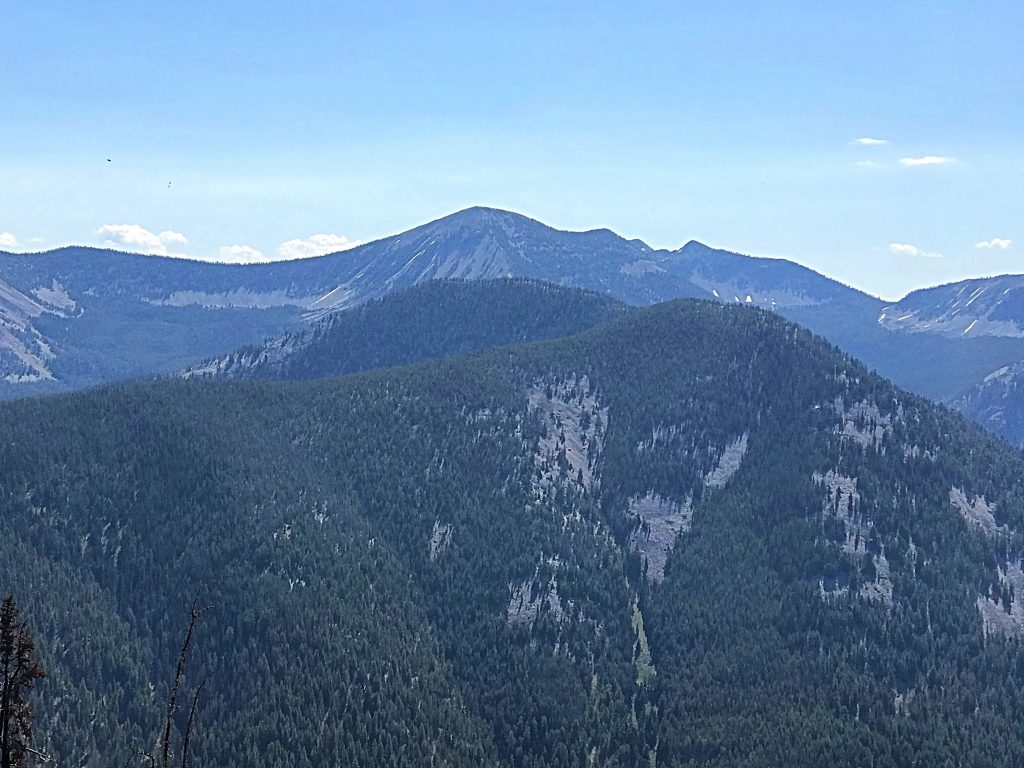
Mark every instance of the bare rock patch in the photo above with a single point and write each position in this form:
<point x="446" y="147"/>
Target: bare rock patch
<point x="659" y="522"/>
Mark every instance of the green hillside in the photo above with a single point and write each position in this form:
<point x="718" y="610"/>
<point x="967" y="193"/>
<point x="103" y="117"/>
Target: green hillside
<point x="432" y="320"/>
<point x="695" y="535"/>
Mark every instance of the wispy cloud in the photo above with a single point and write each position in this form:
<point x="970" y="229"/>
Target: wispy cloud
<point x="7" y="240"/>
<point x="926" y="160"/>
<point x="867" y="141"/>
<point x="138" y="239"/>
<point x="906" y="249"/>
<point x="315" y="245"/>
<point x="240" y="254"/>
<point x="995" y="243"/>
<point x="867" y="163"/>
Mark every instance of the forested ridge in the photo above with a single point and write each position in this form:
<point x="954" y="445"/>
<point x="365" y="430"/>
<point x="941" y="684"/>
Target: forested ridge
<point x="695" y="535"/>
<point x="432" y="320"/>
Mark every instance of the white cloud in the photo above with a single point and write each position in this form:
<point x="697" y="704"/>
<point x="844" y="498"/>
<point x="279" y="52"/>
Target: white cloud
<point x="926" y="160"/>
<point x="240" y="254"/>
<point x="138" y="239"/>
<point x="906" y="249"/>
<point x="996" y="242"/>
<point x="867" y="141"/>
<point x="867" y="163"/>
<point x="173" y="237"/>
<point x="315" y="245"/>
<point x="7" y="240"/>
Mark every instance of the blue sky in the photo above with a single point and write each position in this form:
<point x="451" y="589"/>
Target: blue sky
<point x="241" y="130"/>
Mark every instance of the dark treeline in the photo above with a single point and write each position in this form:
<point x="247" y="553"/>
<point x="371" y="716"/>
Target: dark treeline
<point x="432" y="320"/>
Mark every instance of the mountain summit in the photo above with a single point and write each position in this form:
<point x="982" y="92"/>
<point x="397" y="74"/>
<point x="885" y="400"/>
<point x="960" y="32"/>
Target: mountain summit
<point x="78" y="316"/>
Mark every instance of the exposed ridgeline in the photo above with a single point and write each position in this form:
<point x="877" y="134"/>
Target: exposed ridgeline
<point x="991" y="308"/>
<point x="696" y="535"/>
<point x="77" y="317"/>
<point x="437" y="319"/>
<point x="997" y="403"/>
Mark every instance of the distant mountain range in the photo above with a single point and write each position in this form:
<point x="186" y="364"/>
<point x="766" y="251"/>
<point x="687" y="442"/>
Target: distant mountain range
<point x="76" y="317"/>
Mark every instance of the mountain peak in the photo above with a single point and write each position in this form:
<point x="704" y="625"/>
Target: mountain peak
<point x="479" y="215"/>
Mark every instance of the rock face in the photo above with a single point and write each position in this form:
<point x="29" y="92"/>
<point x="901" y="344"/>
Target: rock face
<point x="440" y="538"/>
<point x="976" y="511"/>
<point x="857" y="538"/>
<point x="535" y="597"/>
<point x="573" y="425"/>
<point x="728" y="463"/>
<point x="1002" y="612"/>
<point x="659" y="523"/>
<point x="864" y="423"/>
<point x="842" y="501"/>
<point x="25" y="354"/>
<point x="658" y="520"/>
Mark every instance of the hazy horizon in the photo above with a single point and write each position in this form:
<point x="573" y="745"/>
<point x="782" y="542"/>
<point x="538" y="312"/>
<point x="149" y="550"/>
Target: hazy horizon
<point x="878" y="145"/>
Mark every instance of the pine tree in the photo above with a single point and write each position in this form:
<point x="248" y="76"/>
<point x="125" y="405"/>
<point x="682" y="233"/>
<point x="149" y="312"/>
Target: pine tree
<point x="19" y="671"/>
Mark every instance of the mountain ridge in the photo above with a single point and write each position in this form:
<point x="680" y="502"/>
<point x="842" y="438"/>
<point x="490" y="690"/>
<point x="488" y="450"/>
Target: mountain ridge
<point x="94" y="320"/>
<point x="823" y="567"/>
<point x="432" y="320"/>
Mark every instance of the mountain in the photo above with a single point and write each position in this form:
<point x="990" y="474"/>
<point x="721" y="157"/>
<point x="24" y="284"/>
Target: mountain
<point x="974" y="313"/>
<point x="78" y="317"/>
<point x="695" y="535"/>
<point x="992" y="306"/>
<point x="937" y="366"/>
<point x="997" y="403"/>
<point x="432" y="320"/>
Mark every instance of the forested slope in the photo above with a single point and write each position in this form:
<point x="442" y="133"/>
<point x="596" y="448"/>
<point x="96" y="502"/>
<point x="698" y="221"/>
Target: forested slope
<point x="440" y="318"/>
<point x="696" y="535"/>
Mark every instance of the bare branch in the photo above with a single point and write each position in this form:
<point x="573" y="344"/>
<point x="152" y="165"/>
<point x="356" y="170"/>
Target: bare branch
<point x="178" y="674"/>
<point x="191" y="721"/>
<point x="41" y="755"/>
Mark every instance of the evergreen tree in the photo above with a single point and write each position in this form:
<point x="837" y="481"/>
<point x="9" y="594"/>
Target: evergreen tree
<point x="20" y="670"/>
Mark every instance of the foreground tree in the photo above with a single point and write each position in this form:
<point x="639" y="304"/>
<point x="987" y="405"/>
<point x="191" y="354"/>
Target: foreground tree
<point x="164" y="744"/>
<point x="19" y="670"/>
